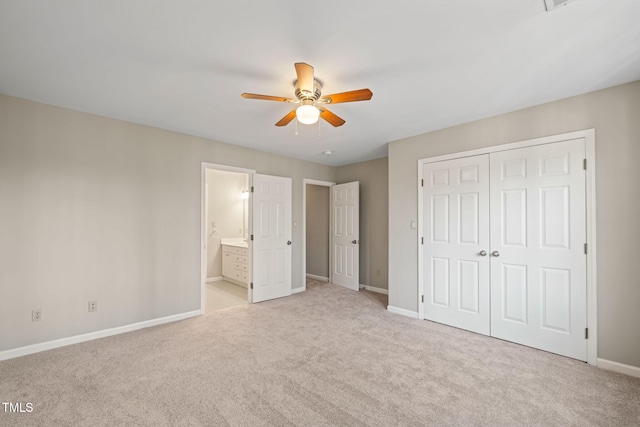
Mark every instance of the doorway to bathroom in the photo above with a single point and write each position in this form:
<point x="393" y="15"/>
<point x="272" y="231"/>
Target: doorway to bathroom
<point x="226" y="218"/>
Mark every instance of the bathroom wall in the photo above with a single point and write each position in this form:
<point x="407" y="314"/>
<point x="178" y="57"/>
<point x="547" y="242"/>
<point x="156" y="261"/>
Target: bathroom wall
<point x="226" y="214"/>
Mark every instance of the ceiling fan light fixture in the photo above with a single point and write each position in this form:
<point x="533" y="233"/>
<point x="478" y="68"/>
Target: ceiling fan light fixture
<point x="307" y="114"/>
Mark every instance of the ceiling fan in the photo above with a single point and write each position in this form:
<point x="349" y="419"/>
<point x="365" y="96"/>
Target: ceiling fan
<point x="310" y="99"/>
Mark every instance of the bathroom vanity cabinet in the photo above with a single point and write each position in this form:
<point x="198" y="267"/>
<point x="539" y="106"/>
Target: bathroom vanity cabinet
<point x="235" y="264"/>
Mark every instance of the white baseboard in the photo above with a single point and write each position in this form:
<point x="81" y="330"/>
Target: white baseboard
<point x="215" y="279"/>
<point x="376" y="289"/>
<point x="296" y="290"/>
<point x="48" y="345"/>
<point x="320" y="278"/>
<point x="402" y="311"/>
<point x="609" y="365"/>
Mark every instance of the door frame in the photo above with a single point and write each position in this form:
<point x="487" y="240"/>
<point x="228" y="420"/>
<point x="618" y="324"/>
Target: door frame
<point x="203" y="223"/>
<point x="329" y="184"/>
<point x="590" y="210"/>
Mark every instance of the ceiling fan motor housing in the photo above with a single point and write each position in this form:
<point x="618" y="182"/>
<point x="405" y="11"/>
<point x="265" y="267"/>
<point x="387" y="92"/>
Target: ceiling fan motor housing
<point x="306" y="95"/>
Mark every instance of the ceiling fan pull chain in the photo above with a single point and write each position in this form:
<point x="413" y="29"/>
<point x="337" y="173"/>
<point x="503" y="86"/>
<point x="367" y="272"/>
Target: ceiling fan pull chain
<point x="296" y="127"/>
<point x="319" y="132"/>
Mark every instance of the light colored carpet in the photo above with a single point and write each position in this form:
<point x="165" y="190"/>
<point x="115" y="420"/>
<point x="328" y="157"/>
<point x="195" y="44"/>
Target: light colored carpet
<point x="222" y="294"/>
<point x="324" y="357"/>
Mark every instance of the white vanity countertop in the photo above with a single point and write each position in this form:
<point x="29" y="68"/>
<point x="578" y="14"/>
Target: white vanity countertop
<point x="237" y="242"/>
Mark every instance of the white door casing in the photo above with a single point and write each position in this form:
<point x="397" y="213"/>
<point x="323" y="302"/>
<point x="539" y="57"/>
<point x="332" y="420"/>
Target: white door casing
<point x="456" y="265"/>
<point x="538" y="233"/>
<point x="271" y="272"/>
<point x="345" y="235"/>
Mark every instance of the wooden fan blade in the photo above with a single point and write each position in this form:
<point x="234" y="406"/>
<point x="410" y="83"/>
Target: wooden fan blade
<point x="305" y="77"/>
<point x="287" y="119"/>
<point x="330" y="117"/>
<point x="351" y="96"/>
<point x="266" y="97"/>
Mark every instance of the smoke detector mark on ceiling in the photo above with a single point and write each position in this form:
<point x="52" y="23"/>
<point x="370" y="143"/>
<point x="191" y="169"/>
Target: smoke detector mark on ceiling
<point x="552" y="4"/>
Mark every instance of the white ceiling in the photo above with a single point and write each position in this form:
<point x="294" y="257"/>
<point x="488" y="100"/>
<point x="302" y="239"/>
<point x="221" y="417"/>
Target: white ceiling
<point x="182" y="65"/>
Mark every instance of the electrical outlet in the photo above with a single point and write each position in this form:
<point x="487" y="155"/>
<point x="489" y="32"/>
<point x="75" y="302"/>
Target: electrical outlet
<point x="93" y="306"/>
<point x="36" y="315"/>
<point x="378" y="273"/>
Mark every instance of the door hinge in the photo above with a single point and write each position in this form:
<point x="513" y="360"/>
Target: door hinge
<point x="252" y="188"/>
<point x="422" y="240"/>
<point x="251" y="285"/>
<point x="584" y="164"/>
<point x="586" y="333"/>
<point x="422" y="183"/>
<point x="252" y="237"/>
<point x="423" y="298"/>
<point x="585" y="248"/>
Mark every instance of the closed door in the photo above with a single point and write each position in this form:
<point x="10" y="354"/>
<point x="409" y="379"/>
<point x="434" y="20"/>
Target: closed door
<point x="271" y="237"/>
<point x="529" y="217"/>
<point x="345" y="235"/>
<point x="456" y="265"/>
<point x="538" y="233"/>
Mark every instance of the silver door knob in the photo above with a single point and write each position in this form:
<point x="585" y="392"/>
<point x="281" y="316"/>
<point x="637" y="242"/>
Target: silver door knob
<point x="482" y="253"/>
<point x="495" y="253"/>
<point x="288" y="242"/>
<point x="354" y="242"/>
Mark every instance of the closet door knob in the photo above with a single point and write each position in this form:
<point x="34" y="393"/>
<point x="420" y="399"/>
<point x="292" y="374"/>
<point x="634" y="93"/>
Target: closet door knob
<point x="495" y="254"/>
<point x="288" y="242"/>
<point x="482" y="253"/>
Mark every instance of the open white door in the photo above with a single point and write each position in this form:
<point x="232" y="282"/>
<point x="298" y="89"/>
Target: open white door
<point x="345" y="235"/>
<point x="271" y="237"/>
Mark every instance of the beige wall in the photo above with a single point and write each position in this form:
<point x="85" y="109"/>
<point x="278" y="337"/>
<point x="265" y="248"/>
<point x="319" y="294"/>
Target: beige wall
<point x="98" y="209"/>
<point x="615" y="115"/>
<point x="317" y="230"/>
<point x="374" y="209"/>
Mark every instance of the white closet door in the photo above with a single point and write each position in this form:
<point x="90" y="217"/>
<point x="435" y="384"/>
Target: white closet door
<point x="271" y="237"/>
<point x="345" y="235"/>
<point x="456" y="265"/>
<point x="538" y="265"/>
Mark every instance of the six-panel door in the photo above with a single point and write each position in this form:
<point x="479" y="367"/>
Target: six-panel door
<point x="538" y="231"/>
<point x="271" y="237"/>
<point x="345" y="235"/>
<point x="456" y="215"/>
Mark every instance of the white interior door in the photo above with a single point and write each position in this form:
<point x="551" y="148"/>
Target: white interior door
<point x="345" y="235"/>
<point x="271" y="270"/>
<point x="456" y="265"/>
<point x="538" y="264"/>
